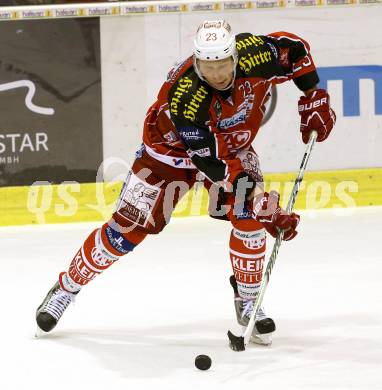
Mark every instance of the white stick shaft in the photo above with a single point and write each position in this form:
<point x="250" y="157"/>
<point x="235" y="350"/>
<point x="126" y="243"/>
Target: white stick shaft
<point x="271" y="262"/>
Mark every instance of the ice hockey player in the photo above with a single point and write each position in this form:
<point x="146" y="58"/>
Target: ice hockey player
<point x="204" y="120"/>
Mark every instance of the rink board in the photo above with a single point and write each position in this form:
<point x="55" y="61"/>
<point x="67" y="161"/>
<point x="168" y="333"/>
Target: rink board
<point x="351" y="69"/>
<point x="75" y="202"/>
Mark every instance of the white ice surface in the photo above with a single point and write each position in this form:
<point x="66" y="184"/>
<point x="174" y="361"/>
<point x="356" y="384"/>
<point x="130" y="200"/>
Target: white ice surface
<point x="141" y="324"/>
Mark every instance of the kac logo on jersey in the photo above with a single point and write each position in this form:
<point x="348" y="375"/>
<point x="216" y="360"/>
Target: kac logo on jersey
<point x="236" y="140"/>
<point x="350" y="77"/>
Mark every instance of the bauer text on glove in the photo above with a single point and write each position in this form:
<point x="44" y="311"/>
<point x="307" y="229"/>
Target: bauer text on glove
<point x="316" y="114"/>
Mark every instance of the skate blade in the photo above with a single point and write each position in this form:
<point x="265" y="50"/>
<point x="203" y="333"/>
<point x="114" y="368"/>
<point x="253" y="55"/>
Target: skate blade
<point x="39" y="333"/>
<point x="262" y="339"/>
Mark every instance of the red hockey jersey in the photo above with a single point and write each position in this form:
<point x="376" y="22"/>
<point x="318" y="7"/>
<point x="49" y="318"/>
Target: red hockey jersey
<point x="192" y="125"/>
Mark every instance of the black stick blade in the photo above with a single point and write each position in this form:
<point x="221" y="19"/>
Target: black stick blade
<point x="236" y="343"/>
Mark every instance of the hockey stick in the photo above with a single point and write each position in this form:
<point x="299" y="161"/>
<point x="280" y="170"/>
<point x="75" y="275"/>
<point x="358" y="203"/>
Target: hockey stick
<point x="238" y="343"/>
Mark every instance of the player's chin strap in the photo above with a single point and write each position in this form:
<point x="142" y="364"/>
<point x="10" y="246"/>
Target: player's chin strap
<point x="238" y="343"/>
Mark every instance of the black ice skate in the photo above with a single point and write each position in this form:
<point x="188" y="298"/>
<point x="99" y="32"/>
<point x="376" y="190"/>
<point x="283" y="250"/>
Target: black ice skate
<point x="264" y="326"/>
<point x="52" y="308"/>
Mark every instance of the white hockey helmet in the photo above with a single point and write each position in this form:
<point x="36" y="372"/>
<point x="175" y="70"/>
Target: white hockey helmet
<point x="214" y="41"/>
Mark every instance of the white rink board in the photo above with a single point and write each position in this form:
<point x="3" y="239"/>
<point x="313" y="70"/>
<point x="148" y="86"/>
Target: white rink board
<point x="138" y="51"/>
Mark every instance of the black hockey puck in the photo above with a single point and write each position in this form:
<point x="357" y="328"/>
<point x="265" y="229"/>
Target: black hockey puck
<point x="203" y="362"/>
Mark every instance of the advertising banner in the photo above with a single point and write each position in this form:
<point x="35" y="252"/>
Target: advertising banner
<point x="50" y="101"/>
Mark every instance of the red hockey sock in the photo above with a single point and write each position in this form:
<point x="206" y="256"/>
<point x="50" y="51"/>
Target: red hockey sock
<point x="99" y="251"/>
<point x="247" y="252"/>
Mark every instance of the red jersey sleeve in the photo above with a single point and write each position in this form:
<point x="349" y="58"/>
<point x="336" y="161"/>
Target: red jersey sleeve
<point x="295" y="59"/>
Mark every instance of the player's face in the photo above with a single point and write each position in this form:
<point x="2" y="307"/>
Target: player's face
<point x="219" y="73"/>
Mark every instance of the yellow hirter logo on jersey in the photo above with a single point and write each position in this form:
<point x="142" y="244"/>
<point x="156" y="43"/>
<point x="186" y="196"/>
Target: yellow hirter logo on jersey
<point x="193" y="106"/>
<point x="250" y="41"/>
<point x="184" y="85"/>
<point x="250" y="61"/>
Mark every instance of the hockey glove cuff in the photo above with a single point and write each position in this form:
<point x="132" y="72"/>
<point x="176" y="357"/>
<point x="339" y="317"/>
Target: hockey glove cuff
<point x="266" y="209"/>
